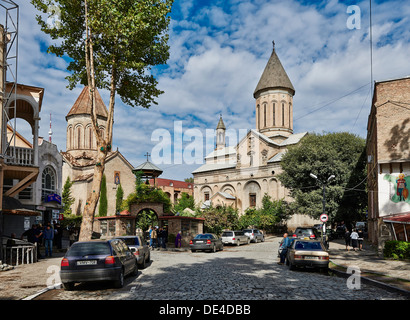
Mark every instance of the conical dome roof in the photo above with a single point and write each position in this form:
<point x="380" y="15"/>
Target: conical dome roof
<point x="82" y="105"/>
<point x="221" y="124"/>
<point x="274" y="76"/>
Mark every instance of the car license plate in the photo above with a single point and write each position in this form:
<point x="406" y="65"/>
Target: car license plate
<point x="310" y="258"/>
<point x="199" y="242"/>
<point x="86" y="263"/>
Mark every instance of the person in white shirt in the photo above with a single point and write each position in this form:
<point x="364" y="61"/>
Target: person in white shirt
<point x="354" y="236"/>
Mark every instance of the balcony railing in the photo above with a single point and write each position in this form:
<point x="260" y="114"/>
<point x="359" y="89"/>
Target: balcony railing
<point x="20" y="156"/>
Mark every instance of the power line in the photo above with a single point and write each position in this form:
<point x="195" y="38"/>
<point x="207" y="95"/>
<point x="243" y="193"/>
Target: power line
<point x="332" y="101"/>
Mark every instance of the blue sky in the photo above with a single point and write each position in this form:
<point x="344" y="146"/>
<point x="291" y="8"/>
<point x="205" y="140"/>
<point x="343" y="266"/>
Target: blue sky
<point x="218" y="52"/>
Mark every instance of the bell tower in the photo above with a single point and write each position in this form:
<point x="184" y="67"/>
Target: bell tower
<point x="220" y="134"/>
<point x="274" y="101"/>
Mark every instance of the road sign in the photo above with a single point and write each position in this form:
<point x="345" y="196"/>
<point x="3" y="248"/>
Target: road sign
<point x="324" y="217"/>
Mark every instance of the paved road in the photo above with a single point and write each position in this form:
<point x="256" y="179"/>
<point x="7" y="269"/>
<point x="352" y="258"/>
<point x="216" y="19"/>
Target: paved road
<point x="237" y="273"/>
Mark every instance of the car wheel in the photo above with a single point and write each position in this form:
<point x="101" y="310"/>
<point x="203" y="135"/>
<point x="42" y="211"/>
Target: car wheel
<point x="263" y="239"/>
<point x="238" y="243"/>
<point x="143" y="264"/>
<point x="69" y="286"/>
<point x="149" y="257"/>
<point x="214" y="248"/>
<point x="119" y="283"/>
<point x="193" y="250"/>
<point x="135" y="271"/>
<point x="221" y="247"/>
<point x="291" y="266"/>
<point x="249" y="241"/>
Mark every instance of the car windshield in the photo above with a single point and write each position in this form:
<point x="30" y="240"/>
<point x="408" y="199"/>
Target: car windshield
<point x="227" y="234"/>
<point x="306" y="245"/>
<point x="89" y="248"/>
<point x="131" y="241"/>
<point x="204" y="236"/>
<point x="247" y="231"/>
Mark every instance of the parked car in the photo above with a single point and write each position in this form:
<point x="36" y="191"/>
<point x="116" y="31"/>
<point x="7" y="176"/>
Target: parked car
<point x="306" y="233"/>
<point x="307" y="253"/>
<point x="97" y="260"/>
<point x="235" y="237"/>
<point x="206" y="241"/>
<point x="254" y="235"/>
<point x="139" y="248"/>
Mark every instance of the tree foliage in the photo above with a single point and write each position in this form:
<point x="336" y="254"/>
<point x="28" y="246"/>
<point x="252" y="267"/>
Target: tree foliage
<point x="185" y="201"/>
<point x="103" y="208"/>
<point x="67" y="198"/>
<point x="119" y="197"/>
<point x="267" y="218"/>
<point x="339" y="154"/>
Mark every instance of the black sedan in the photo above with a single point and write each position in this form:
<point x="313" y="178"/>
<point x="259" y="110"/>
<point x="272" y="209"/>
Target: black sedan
<point x="307" y="253"/>
<point x="98" y="260"/>
<point x="206" y="241"/>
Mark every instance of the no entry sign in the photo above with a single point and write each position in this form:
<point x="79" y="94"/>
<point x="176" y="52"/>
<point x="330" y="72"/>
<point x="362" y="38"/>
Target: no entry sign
<point x="324" y="217"/>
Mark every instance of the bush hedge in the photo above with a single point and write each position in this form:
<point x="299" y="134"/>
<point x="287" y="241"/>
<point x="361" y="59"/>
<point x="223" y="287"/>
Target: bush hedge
<point x="397" y="250"/>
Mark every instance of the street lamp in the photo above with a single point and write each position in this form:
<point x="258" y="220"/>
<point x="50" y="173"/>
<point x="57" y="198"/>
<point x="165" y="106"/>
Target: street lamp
<point x="324" y="197"/>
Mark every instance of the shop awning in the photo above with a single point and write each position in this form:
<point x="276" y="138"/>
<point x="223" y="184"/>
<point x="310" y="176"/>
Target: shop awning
<point x="403" y="218"/>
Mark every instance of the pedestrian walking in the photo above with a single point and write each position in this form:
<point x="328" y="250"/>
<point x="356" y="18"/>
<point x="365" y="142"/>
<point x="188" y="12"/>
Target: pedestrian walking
<point x="347" y="239"/>
<point x="48" y="240"/>
<point x="285" y="243"/>
<point x="150" y="229"/>
<point x="360" y="238"/>
<point x="160" y="237"/>
<point x="154" y="236"/>
<point x="178" y="240"/>
<point x="354" y="236"/>
<point x="165" y="238"/>
<point x="34" y="236"/>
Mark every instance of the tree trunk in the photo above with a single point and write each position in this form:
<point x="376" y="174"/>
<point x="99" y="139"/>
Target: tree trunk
<point x="92" y="200"/>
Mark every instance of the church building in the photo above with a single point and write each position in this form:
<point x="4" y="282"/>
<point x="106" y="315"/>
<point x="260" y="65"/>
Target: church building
<point x="81" y="149"/>
<point x="241" y="175"/>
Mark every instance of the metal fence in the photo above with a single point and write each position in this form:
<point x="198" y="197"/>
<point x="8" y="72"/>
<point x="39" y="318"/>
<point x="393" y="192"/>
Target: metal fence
<point x="21" y="254"/>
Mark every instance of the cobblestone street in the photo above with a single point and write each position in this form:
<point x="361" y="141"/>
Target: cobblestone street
<point x="248" y="272"/>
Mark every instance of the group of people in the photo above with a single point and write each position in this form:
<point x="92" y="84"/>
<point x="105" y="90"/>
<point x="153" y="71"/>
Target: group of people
<point x="47" y="236"/>
<point x="354" y="239"/>
<point x="158" y="237"/>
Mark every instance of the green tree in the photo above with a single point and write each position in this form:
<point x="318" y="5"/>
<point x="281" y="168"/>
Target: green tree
<point x="111" y="44"/>
<point x="220" y="218"/>
<point x="119" y="198"/>
<point x="338" y="154"/>
<point x="67" y="198"/>
<point x="103" y="208"/>
<point x="267" y="217"/>
<point x="186" y="201"/>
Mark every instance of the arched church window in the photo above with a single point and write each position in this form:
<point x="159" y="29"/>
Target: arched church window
<point x="264" y="115"/>
<point x="273" y="113"/>
<point x="283" y="114"/>
<point x="70" y="138"/>
<point x="290" y="114"/>
<point x="48" y="181"/>
<point x="258" y="122"/>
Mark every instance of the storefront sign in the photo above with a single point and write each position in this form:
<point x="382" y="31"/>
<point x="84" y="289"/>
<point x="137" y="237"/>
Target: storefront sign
<point x="53" y="197"/>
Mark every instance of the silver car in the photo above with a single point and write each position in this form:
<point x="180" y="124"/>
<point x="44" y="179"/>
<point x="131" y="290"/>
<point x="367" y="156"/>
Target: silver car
<point x="254" y="235"/>
<point x="235" y="237"/>
<point x="139" y="248"/>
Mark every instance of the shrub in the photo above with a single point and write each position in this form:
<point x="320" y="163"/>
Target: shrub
<point x="397" y="250"/>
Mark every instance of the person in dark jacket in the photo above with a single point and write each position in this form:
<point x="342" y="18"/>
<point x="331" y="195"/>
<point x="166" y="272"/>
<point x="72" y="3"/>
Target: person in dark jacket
<point x="347" y="239"/>
<point x="48" y="235"/>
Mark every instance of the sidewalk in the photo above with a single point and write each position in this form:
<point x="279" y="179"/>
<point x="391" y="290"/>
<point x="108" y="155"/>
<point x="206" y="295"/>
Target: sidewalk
<point x="29" y="279"/>
<point x="390" y="274"/>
